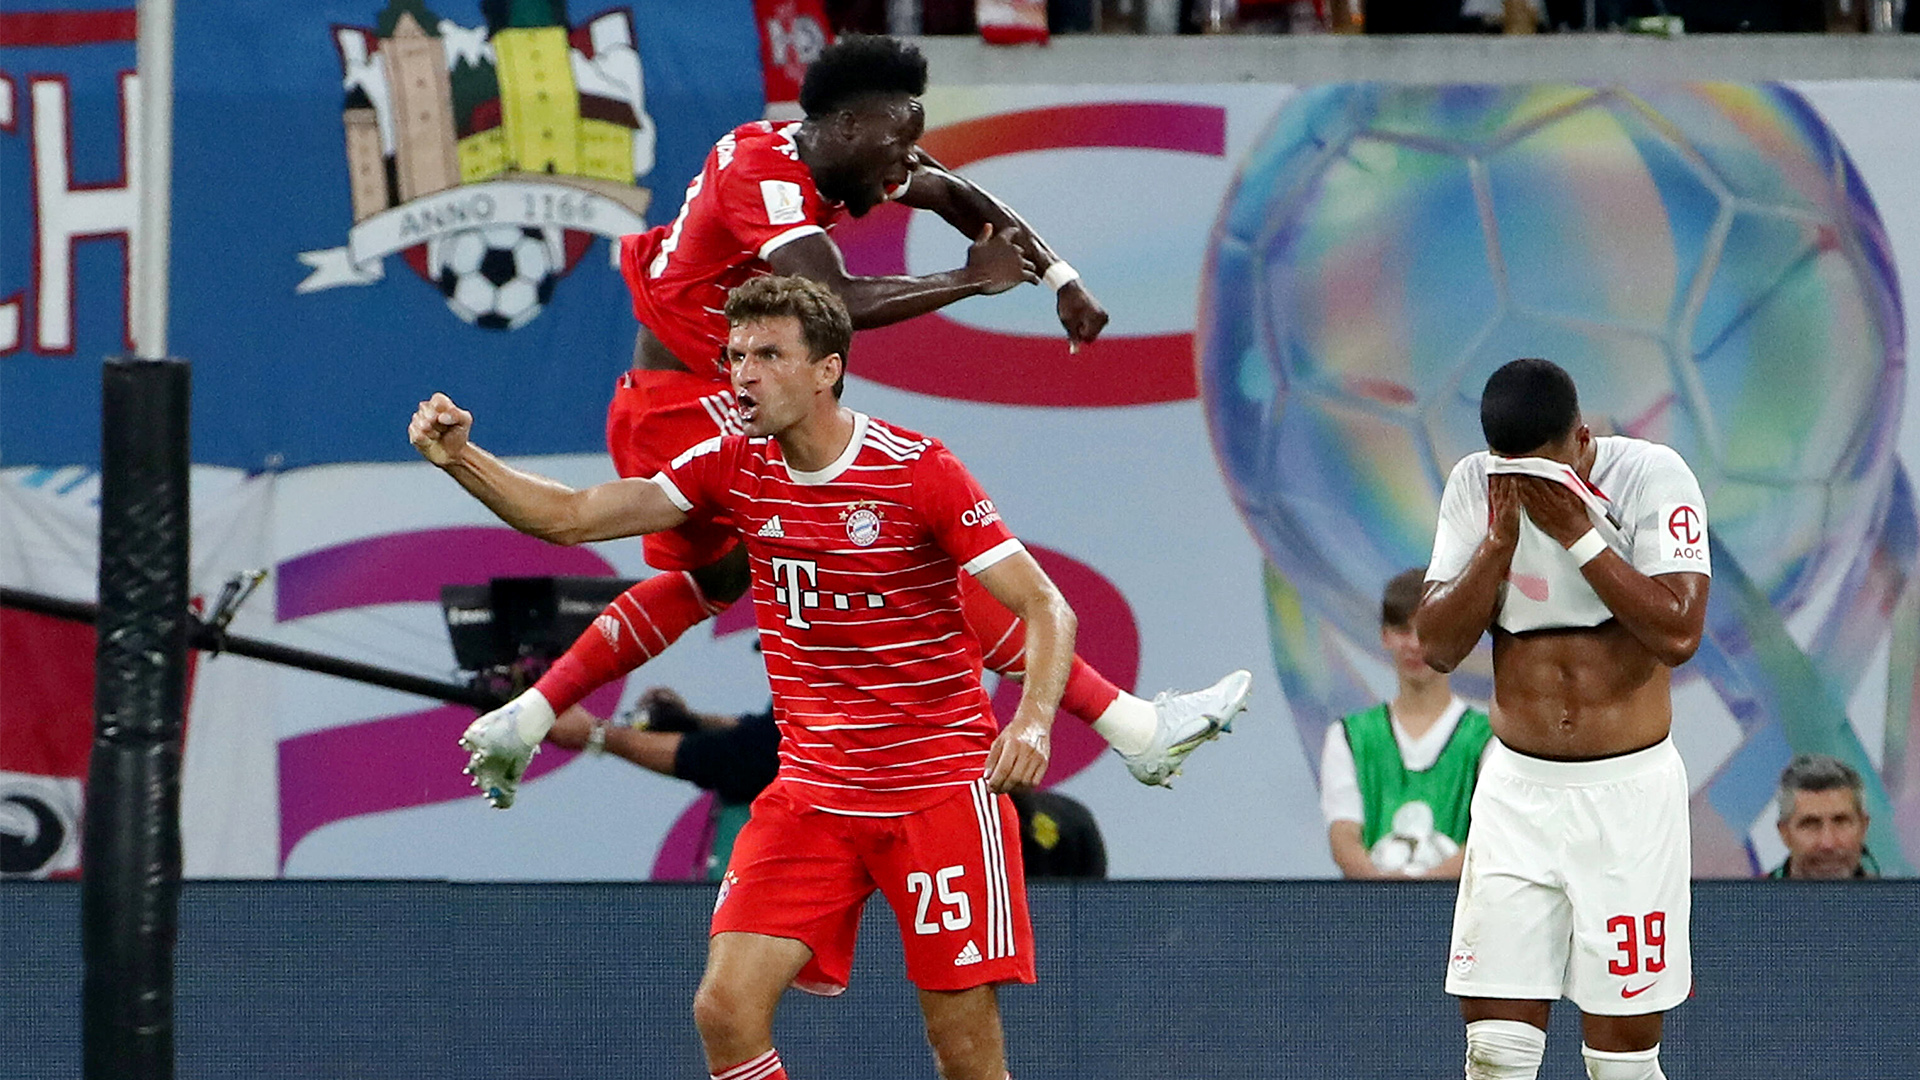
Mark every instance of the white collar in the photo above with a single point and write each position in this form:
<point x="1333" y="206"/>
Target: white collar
<point x="834" y="468"/>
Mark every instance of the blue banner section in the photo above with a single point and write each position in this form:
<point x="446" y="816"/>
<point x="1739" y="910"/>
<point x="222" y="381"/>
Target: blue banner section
<point x="1137" y="979"/>
<point x="373" y="200"/>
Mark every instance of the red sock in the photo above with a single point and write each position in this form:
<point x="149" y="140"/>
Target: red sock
<point x="1003" y="648"/>
<point x="634" y="629"/>
<point x="765" y="1067"/>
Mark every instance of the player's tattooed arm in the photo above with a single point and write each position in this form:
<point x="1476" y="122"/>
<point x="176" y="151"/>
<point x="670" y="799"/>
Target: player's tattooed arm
<point x="1455" y="613"/>
<point x="1667" y="614"/>
<point x="995" y="263"/>
<point x="967" y="206"/>
<point x="533" y="504"/>
<point x="1019" y="756"/>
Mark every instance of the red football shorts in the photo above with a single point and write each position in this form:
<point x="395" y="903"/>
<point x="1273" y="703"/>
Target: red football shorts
<point x="951" y="873"/>
<point x="654" y="416"/>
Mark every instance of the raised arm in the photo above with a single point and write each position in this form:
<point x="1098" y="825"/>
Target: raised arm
<point x="533" y="504"/>
<point x="968" y="207"/>
<point x="1019" y="756"/>
<point x="995" y="263"/>
<point x="1456" y="611"/>
<point x="1667" y="613"/>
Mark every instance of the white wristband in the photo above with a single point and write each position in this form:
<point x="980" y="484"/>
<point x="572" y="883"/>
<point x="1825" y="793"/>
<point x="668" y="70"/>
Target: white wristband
<point x="1585" y="549"/>
<point x="1060" y="275"/>
<point x="597" y="738"/>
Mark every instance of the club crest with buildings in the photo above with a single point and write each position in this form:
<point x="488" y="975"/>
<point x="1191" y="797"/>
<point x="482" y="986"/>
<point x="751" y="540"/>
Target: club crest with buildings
<point x="489" y="157"/>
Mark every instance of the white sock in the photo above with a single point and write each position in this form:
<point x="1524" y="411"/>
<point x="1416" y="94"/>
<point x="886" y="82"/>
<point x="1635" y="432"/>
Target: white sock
<point x="1504" y="1050"/>
<point x="533" y="718"/>
<point x="1127" y="724"/>
<point x="1628" y="1065"/>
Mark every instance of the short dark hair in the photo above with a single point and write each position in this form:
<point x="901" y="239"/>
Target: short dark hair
<point x="1818" y="772"/>
<point x="858" y="65"/>
<point x="824" y="323"/>
<point x="1402" y="597"/>
<point x="1527" y="404"/>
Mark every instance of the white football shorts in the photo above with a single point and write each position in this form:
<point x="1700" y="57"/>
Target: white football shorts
<point x="1577" y="883"/>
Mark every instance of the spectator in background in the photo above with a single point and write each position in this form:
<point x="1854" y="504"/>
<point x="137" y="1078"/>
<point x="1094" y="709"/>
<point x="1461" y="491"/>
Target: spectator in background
<point x="1823" y="821"/>
<point x="733" y="757"/>
<point x="1058" y="837"/>
<point x="1397" y="779"/>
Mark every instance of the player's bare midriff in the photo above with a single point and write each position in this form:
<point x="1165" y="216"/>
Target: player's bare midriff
<point x="1577" y="694"/>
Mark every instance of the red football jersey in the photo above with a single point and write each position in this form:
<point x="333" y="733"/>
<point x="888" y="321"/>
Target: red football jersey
<point x="876" y="679"/>
<point x="754" y="195"/>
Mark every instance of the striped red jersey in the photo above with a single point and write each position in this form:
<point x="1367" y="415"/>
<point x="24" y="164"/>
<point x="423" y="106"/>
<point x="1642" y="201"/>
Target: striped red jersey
<point x="876" y="679"/>
<point x="753" y="195"/>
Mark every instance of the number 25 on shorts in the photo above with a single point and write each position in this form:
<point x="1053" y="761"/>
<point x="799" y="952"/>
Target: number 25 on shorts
<point x="1631" y="934"/>
<point x="957" y="913"/>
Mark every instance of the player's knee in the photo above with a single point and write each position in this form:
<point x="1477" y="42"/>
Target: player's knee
<point x="1504" y="1050"/>
<point x="723" y="1018"/>
<point x="961" y="1054"/>
<point x="1628" y="1065"/>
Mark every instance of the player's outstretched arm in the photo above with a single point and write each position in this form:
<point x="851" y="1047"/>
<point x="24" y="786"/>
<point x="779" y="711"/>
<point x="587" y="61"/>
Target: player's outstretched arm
<point x="995" y="263"/>
<point x="967" y="207"/>
<point x="1667" y="614"/>
<point x="534" y="504"/>
<point x="1019" y="756"/>
<point x="1455" y="613"/>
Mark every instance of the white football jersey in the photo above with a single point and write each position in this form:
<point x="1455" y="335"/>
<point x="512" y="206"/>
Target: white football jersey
<point x="1657" y="509"/>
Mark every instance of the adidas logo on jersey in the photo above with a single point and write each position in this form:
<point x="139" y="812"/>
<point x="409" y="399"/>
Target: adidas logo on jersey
<point x="772" y="529"/>
<point x="968" y="955"/>
<point x="609" y="628"/>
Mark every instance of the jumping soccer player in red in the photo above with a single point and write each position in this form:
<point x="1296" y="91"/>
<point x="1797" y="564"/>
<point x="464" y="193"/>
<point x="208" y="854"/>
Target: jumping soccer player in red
<point x="763" y="204"/>
<point x="891" y="769"/>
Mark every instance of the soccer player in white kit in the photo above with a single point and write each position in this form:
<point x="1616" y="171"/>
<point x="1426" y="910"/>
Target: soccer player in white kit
<point x="1587" y="559"/>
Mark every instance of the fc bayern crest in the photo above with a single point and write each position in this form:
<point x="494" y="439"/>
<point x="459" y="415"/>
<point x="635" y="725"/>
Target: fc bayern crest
<point x="863" y="524"/>
<point x="488" y="157"/>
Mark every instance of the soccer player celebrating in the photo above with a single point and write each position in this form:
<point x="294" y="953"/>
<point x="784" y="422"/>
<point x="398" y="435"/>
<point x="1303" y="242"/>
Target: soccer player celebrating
<point x="891" y="771"/>
<point x="1587" y="558"/>
<point x="763" y="204"/>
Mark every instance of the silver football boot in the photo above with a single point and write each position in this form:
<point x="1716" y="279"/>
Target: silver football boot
<point x="502" y="744"/>
<point x="1183" y="722"/>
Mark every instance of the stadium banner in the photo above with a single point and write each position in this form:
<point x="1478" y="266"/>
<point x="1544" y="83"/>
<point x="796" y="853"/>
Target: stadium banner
<point x="1307" y="286"/>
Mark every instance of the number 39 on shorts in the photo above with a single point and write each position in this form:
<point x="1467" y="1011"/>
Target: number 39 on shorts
<point x="1641" y="943"/>
<point x="956" y="912"/>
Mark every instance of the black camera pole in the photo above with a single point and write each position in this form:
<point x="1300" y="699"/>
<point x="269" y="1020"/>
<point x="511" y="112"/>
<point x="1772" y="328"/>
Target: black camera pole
<point x="209" y="639"/>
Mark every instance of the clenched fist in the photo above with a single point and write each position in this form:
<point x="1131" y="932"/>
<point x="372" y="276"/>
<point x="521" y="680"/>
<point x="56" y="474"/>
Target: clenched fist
<point x="439" y="430"/>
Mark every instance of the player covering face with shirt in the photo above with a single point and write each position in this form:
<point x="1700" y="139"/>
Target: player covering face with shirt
<point x="1586" y="558"/>
<point x="891" y="765"/>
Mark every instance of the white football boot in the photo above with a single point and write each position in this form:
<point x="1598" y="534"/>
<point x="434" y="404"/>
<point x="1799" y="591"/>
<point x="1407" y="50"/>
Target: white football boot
<point x="1183" y="722"/>
<point x="502" y="745"/>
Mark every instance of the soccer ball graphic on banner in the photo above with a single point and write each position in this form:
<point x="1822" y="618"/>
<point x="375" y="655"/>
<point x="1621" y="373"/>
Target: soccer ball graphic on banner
<point x="498" y="277"/>
<point x="1703" y="259"/>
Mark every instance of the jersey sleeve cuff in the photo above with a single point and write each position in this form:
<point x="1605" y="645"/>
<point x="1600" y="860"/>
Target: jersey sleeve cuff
<point x="665" y="483"/>
<point x="788" y="237"/>
<point x="992" y="555"/>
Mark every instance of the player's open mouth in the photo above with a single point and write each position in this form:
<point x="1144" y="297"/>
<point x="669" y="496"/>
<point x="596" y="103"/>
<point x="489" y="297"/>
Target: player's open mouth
<point x="749" y="408"/>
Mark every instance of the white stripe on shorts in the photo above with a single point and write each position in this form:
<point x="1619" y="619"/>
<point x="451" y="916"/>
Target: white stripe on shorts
<point x="993" y="849"/>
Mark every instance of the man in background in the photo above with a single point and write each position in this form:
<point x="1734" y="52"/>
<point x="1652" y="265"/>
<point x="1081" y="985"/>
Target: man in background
<point x="1823" y="821"/>
<point x="735" y="757"/>
<point x="1396" y="779"/>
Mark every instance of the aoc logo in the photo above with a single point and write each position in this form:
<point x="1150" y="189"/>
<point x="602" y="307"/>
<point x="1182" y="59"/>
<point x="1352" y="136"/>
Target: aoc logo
<point x="490" y="157"/>
<point x="39" y="825"/>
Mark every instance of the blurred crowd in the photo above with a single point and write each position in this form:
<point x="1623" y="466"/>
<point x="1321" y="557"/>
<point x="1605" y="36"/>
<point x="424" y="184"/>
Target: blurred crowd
<point x="1394" y="16"/>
